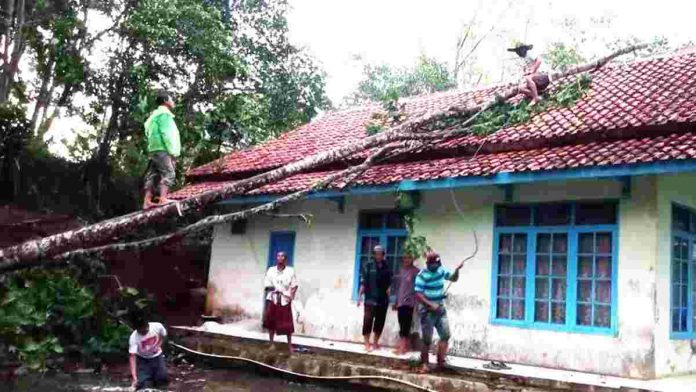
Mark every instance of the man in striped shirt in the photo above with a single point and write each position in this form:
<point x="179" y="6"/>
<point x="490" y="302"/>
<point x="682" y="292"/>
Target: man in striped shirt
<point x="430" y="292"/>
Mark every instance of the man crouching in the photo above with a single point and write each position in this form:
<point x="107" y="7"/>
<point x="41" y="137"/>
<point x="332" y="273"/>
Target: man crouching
<point x="147" y="365"/>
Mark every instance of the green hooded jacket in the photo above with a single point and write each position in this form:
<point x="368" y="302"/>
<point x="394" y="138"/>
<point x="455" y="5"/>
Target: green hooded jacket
<point x="162" y="133"/>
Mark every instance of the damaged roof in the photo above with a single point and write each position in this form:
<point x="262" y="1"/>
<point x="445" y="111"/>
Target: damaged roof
<point x="635" y="113"/>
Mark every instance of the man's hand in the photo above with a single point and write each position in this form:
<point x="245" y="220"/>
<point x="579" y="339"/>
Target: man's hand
<point x="358" y="303"/>
<point x="134" y="384"/>
<point x="394" y="307"/>
<point x="434" y="307"/>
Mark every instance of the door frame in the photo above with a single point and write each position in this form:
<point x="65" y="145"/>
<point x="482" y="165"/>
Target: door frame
<point x="270" y="261"/>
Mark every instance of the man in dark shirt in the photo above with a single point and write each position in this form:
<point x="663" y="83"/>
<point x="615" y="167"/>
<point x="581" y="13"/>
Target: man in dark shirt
<point x="375" y="281"/>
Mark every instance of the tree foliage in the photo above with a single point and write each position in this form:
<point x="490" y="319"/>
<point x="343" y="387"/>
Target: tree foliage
<point x="237" y="78"/>
<point x="48" y="316"/>
<point x="383" y="82"/>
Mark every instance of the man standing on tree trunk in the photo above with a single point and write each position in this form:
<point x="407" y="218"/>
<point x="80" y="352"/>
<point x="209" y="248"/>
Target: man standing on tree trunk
<point x="163" y="146"/>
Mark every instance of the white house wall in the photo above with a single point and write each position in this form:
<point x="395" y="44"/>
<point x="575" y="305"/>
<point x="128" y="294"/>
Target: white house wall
<point x="325" y="264"/>
<point x="672" y="356"/>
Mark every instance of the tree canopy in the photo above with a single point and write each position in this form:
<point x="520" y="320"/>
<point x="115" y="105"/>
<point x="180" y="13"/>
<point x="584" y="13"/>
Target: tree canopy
<point x="235" y="75"/>
<point x="383" y="82"/>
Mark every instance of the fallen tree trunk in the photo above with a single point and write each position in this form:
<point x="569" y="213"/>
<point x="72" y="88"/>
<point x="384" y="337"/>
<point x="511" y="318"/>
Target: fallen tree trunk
<point x="410" y="130"/>
<point x="73" y="256"/>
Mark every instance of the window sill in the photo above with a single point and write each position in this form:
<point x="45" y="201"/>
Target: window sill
<point x="682" y="335"/>
<point x="555" y="328"/>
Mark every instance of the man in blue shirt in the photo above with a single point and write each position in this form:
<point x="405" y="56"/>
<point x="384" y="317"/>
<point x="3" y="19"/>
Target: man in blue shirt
<point x="430" y="293"/>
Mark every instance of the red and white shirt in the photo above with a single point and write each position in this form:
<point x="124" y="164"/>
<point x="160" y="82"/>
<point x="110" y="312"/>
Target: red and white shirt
<point x="148" y="345"/>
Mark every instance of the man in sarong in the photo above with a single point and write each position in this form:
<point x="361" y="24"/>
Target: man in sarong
<point x="280" y="284"/>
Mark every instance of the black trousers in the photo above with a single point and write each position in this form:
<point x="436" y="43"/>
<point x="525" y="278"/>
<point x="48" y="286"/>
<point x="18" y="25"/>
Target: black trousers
<point x="151" y="372"/>
<point x="405" y="320"/>
<point x="374" y="317"/>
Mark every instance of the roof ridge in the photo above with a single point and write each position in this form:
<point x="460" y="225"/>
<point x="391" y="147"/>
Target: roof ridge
<point x="683" y="52"/>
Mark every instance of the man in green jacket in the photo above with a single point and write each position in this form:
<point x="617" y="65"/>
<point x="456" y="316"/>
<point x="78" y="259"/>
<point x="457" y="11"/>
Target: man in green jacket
<point x="163" y="146"/>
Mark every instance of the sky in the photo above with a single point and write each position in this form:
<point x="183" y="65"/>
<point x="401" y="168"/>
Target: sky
<point x="397" y="31"/>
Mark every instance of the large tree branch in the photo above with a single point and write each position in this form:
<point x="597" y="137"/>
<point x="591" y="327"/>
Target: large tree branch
<point x="413" y="130"/>
<point x="203" y="223"/>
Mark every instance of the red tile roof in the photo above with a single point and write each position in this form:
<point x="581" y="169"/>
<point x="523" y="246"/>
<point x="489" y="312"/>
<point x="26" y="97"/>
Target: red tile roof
<point x="628" y="110"/>
<point x="678" y="146"/>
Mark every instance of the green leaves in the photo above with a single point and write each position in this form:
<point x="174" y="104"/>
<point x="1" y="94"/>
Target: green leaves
<point x="505" y="114"/>
<point x="43" y="313"/>
<point x="383" y="83"/>
<point x="408" y="203"/>
<point x="562" y="56"/>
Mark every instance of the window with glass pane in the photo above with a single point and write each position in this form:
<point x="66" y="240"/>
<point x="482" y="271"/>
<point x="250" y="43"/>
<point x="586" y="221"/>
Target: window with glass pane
<point x="595" y="213"/>
<point x="367" y="243"/>
<point x="554" y="214"/>
<point x="594" y="279"/>
<point x="381" y="228"/>
<point x="572" y="246"/>
<point x="513" y="215"/>
<point x="680" y="284"/>
<point x="395" y="250"/>
<point x="550" y="278"/>
<point x="683" y="273"/>
<point x="512" y="266"/>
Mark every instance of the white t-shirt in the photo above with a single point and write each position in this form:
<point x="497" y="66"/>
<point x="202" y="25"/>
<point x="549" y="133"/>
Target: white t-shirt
<point x="148" y="345"/>
<point x="281" y="281"/>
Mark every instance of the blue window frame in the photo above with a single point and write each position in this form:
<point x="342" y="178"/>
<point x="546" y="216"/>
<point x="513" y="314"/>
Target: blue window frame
<point x="683" y="269"/>
<point x="554" y="266"/>
<point x="386" y="228"/>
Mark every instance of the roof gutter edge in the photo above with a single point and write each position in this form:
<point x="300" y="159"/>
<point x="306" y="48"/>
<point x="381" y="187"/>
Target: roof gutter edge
<point x="502" y="178"/>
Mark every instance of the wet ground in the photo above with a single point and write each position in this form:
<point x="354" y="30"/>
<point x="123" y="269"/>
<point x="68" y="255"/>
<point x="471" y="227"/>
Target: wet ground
<point x="184" y="377"/>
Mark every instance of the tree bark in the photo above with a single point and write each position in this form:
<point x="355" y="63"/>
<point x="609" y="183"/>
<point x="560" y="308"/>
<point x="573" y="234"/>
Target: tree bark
<point x="109" y="230"/>
<point x="45" y="93"/>
<point x="206" y="222"/>
<point x="11" y="62"/>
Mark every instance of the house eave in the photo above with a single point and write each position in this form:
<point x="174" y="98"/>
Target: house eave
<point x="503" y="178"/>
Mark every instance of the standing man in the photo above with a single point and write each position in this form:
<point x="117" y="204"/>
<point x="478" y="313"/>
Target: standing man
<point x="533" y="81"/>
<point x="405" y="300"/>
<point x="375" y="279"/>
<point x="163" y="147"/>
<point x="430" y="292"/>
<point x="147" y="365"/>
<point x="281" y="285"/>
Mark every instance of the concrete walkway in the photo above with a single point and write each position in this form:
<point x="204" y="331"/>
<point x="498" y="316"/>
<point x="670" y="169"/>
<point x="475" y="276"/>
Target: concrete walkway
<point x="670" y="384"/>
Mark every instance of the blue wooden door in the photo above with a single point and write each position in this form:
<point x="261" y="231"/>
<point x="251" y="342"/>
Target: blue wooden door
<point x="281" y="241"/>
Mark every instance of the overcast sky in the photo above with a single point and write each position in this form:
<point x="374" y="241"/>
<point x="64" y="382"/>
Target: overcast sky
<point x="397" y="31"/>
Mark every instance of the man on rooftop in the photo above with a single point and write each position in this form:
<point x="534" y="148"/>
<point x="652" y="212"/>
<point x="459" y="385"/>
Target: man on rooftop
<point x="535" y="79"/>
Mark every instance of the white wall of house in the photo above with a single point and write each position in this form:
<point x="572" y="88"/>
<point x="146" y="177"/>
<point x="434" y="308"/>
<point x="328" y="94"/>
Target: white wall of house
<point x="673" y="356"/>
<point x="325" y="264"/>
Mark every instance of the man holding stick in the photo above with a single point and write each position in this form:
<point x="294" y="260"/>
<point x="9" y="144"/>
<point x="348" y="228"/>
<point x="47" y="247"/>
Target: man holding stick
<point x="431" y="294"/>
